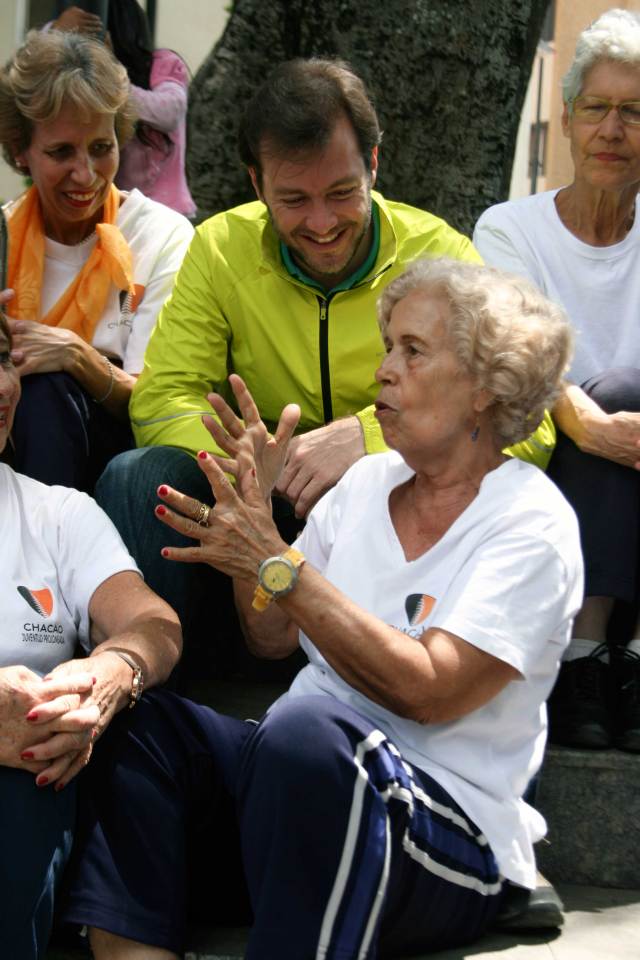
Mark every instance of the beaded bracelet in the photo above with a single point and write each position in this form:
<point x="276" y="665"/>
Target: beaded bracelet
<point x="111" y="382"/>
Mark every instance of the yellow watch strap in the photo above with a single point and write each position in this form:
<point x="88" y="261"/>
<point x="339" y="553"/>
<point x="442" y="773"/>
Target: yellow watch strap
<point x="262" y="599"/>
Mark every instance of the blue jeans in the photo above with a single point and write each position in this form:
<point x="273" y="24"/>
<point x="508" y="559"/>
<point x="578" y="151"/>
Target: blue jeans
<point x="201" y="596"/>
<point x="36" y="825"/>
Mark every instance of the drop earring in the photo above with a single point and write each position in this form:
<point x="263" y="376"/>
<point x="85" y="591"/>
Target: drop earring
<point x="475" y="433"/>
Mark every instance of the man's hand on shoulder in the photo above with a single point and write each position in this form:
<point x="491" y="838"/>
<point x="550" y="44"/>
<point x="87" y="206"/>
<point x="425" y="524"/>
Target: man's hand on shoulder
<point x="317" y="460"/>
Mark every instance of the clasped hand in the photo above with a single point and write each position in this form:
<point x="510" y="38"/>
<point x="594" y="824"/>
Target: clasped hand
<point x="240" y="532"/>
<point x="46" y="724"/>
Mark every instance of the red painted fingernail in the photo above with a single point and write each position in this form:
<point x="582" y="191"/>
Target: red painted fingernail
<point x="26" y="755"/>
<point x="94" y="733"/>
<point x="59" y="786"/>
<point x="202" y="455"/>
<point x="42" y="781"/>
<point x="160" y="510"/>
<point x="94" y="679"/>
<point x="32" y="716"/>
<point x="163" y="491"/>
<point x="164" y="552"/>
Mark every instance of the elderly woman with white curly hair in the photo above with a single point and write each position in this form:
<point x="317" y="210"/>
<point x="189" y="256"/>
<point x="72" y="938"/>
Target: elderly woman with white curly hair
<point x="377" y="807"/>
<point x="581" y="246"/>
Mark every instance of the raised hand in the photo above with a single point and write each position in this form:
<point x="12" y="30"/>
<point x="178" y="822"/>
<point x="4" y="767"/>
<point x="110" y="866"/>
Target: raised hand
<point x="248" y="439"/>
<point x="316" y="460"/>
<point x="235" y="535"/>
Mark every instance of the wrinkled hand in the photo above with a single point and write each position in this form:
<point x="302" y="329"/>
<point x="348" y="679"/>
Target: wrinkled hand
<point x="43" y="720"/>
<point x="240" y="532"/>
<point x="250" y="435"/>
<point x="107" y="671"/>
<point x="615" y="436"/>
<point x="73" y="18"/>
<point x="38" y="348"/>
<point x="317" y="460"/>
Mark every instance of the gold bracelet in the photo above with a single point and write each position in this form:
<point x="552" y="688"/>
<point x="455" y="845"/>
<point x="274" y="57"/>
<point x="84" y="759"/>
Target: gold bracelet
<point x="111" y="381"/>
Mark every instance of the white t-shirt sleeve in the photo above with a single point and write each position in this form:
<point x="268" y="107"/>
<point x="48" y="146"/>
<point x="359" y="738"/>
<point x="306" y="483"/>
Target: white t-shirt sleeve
<point x="90" y="550"/>
<point x="318" y="537"/>
<point x="511" y="573"/>
<point x="158" y="288"/>
<point x="496" y="247"/>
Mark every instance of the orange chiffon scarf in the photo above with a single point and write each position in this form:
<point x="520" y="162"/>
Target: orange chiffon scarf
<point x="82" y="304"/>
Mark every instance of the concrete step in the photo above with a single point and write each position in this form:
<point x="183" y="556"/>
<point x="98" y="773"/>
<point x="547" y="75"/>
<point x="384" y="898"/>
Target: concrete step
<point x="591" y="801"/>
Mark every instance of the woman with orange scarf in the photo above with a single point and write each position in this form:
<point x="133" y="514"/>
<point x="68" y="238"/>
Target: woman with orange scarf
<point x="90" y="266"/>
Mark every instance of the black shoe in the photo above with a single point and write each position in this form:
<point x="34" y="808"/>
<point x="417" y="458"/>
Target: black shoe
<point x="627" y="674"/>
<point x="579" y="703"/>
<point x="522" y="909"/>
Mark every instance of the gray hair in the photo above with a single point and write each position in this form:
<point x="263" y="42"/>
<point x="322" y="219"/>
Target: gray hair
<point x="512" y="341"/>
<point x="613" y="36"/>
<point x="55" y="67"/>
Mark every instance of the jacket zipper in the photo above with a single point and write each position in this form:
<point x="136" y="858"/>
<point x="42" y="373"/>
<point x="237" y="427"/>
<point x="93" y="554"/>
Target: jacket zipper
<point x="323" y="348"/>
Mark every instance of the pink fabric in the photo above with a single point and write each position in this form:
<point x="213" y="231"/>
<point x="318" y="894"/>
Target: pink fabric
<point x="164" y="106"/>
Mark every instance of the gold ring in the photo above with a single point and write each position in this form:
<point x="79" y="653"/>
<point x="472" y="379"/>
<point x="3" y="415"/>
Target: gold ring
<point x="203" y="515"/>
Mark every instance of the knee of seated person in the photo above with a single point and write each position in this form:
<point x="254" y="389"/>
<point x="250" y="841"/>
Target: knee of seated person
<point x="133" y="473"/>
<point x="294" y="730"/>
<point x="615" y="389"/>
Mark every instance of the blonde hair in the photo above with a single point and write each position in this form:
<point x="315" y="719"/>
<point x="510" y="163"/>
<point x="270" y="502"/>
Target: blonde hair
<point x="53" y="68"/>
<point x="513" y="342"/>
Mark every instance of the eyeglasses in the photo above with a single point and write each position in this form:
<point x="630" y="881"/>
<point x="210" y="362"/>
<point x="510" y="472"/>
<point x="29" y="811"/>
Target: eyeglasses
<point x="595" y="109"/>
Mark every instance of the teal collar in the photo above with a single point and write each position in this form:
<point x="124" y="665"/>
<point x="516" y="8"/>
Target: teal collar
<point x="294" y="270"/>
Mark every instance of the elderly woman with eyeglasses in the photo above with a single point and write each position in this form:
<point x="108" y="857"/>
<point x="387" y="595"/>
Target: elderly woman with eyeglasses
<point x="581" y="246"/>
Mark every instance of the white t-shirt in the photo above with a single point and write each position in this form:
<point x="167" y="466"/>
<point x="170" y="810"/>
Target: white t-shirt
<point x="57" y="548"/>
<point x="599" y="287"/>
<point x="158" y="238"/>
<point x="507" y="578"/>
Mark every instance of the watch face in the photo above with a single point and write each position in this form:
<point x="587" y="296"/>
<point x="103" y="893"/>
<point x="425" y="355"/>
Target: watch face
<point x="277" y="575"/>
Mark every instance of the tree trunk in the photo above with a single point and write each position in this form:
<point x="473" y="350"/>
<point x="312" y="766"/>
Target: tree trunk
<point x="448" y="80"/>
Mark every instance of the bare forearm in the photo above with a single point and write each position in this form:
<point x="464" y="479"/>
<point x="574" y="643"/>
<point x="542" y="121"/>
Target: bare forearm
<point x="613" y="436"/>
<point x="374" y="658"/>
<point x="155" y="643"/>
<point x="578" y="416"/>
<point x="270" y="634"/>
<point x="104" y="381"/>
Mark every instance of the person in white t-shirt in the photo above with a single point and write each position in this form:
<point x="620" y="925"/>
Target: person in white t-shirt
<point x="581" y="246"/>
<point x="380" y="801"/>
<point x="90" y="265"/>
<point x="69" y="587"/>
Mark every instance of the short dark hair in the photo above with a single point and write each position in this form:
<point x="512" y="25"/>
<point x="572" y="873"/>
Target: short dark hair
<point x="297" y="108"/>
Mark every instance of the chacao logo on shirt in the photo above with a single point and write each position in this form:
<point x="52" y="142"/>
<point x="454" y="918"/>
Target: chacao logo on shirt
<point x="417" y="607"/>
<point x="40" y="632"/>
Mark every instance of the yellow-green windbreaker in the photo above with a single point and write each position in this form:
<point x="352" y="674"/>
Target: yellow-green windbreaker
<point x="236" y="309"/>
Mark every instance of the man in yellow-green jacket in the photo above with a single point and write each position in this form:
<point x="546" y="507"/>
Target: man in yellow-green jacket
<point x="282" y="291"/>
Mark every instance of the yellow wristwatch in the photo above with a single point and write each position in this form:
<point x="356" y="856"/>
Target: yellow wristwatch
<point x="277" y="576"/>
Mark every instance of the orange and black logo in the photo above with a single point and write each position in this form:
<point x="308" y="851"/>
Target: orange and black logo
<point x="39" y="600"/>
<point x="418" y="606"/>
